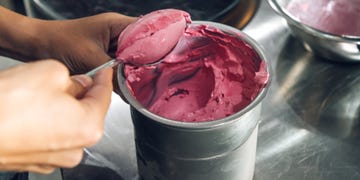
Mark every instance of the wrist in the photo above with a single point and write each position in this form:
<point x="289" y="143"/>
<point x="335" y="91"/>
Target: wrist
<point x="19" y="36"/>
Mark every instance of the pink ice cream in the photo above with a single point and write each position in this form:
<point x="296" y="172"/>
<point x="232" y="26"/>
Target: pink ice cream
<point x="208" y="75"/>
<point x="339" y="17"/>
<point x="151" y="37"/>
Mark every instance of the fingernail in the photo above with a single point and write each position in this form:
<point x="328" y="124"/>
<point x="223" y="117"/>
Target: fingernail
<point x="84" y="80"/>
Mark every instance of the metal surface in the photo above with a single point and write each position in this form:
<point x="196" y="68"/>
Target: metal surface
<point x="222" y="149"/>
<point x="310" y="122"/>
<point x="212" y="10"/>
<point x="309" y="127"/>
<point x="167" y="152"/>
<point x="236" y="13"/>
<point x="56" y="175"/>
<point x="111" y="63"/>
<point x="330" y="46"/>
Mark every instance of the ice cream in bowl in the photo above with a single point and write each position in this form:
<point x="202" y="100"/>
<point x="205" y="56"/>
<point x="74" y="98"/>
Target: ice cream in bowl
<point x="196" y="112"/>
<point x="328" y="28"/>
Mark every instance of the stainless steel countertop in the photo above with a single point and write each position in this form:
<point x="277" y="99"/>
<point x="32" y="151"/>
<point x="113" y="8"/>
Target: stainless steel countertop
<point x="310" y="121"/>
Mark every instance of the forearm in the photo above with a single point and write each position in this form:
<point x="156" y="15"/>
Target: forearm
<point x="19" y="38"/>
<point x="81" y="44"/>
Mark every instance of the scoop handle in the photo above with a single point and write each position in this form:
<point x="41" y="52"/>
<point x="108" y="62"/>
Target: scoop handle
<point x="110" y="63"/>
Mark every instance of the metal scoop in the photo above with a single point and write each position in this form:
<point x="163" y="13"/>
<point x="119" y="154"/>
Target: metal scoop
<point x="112" y="63"/>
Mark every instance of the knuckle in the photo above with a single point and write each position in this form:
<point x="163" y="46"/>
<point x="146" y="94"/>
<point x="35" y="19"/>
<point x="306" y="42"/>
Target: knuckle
<point x="75" y="159"/>
<point x="37" y="168"/>
<point x="113" y="18"/>
<point x="93" y="134"/>
<point x="58" y="69"/>
<point x="3" y="161"/>
<point x="110" y="14"/>
<point x="46" y="170"/>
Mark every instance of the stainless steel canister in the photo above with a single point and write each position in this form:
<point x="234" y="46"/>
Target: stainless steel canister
<point x="215" y="150"/>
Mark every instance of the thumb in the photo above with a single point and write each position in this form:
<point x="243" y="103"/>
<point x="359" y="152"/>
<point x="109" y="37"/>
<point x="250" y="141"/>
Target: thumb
<point x="79" y="84"/>
<point x="98" y="97"/>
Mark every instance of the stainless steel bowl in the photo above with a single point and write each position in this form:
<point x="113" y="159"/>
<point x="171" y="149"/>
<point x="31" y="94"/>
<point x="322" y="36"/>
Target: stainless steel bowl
<point x="341" y="48"/>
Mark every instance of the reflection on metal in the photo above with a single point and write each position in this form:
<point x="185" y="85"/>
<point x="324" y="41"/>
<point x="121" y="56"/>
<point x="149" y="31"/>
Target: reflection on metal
<point x="295" y="71"/>
<point x="348" y="47"/>
<point x="241" y="14"/>
<point x="266" y="29"/>
<point x="238" y="13"/>
<point x="282" y="143"/>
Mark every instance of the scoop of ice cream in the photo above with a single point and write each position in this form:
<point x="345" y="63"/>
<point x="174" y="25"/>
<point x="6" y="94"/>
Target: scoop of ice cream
<point x="152" y="36"/>
<point x="340" y="17"/>
<point x="208" y="75"/>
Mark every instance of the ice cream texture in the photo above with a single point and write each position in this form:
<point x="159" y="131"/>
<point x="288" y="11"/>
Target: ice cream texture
<point x="151" y="37"/>
<point x="209" y="75"/>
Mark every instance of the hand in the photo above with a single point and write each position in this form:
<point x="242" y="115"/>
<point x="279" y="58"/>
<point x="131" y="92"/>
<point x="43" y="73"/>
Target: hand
<point x="47" y="117"/>
<point x="81" y="44"/>
<point x="84" y="43"/>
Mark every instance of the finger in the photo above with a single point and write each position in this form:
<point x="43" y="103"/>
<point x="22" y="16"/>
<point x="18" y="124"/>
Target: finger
<point x="98" y="97"/>
<point x="78" y="85"/>
<point x="65" y="158"/>
<point x="118" y="23"/>
<point x="27" y="167"/>
<point x="41" y="169"/>
<point x="96" y="102"/>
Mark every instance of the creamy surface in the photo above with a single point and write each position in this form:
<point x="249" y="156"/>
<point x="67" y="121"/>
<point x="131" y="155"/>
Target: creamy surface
<point x="208" y="75"/>
<point x="152" y="36"/>
<point x="339" y="17"/>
